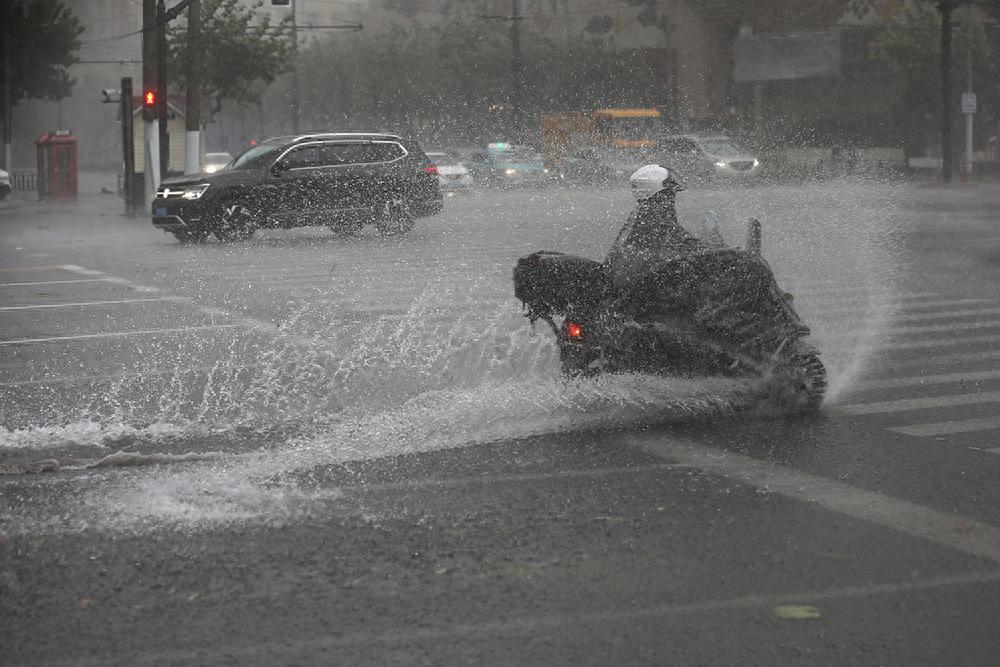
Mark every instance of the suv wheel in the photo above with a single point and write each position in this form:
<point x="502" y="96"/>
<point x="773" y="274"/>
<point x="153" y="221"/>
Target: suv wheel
<point x="395" y="218"/>
<point x="237" y="222"/>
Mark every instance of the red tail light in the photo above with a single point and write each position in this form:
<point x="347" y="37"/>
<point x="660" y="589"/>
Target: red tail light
<point x="431" y="169"/>
<point x="574" y="330"/>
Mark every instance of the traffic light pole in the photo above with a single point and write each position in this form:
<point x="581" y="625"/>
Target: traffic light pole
<point x="150" y="126"/>
<point x="128" y="146"/>
<point x="296" y="90"/>
<point x="162" y="115"/>
<point x="192" y="134"/>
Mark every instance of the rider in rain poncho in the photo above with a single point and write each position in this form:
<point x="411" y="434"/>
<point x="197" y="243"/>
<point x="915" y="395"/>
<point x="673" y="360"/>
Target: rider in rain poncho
<point x="652" y="233"/>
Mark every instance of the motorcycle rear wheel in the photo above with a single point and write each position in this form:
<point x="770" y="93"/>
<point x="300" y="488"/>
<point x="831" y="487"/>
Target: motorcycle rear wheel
<point x="804" y="375"/>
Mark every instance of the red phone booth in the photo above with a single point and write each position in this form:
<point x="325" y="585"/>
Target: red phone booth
<point x="56" y="165"/>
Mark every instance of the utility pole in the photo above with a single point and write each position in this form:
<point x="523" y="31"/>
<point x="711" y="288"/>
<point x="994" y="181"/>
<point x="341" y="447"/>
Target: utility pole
<point x="516" y="69"/>
<point x="128" y="145"/>
<point x="947" y="102"/>
<point x="150" y="126"/>
<point x="296" y="90"/>
<point x="969" y="155"/>
<point x="7" y="102"/>
<point x="192" y="134"/>
<point x="516" y="97"/>
<point x="162" y="114"/>
<point x="296" y="82"/>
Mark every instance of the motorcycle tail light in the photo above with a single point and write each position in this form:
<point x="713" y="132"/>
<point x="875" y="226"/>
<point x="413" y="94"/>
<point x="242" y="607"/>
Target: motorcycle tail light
<point x="574" y="330"/>
<point x="432" y="169"/>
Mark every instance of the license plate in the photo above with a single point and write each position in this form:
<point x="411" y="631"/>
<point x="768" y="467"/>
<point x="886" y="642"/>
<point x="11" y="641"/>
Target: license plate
<point x="160" y="211"/>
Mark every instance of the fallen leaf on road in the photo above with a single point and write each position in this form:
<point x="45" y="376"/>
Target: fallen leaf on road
<point x="796" y="613"/>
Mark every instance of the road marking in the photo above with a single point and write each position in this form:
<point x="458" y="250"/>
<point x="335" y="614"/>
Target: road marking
<point x="949" y="342"/>
<point x="119" y="334"/>
<point x="919" y="380"/>
<point x="948" y="427"/>
<point x="55" y="282"/>
<point x="934" y="328"/>
<point x="238" y="320"/>
<point x="942" y="359"/>
<point x="81" y="304"/>
<point x="945" y="314"/>
<point x="945" y="302"/>
<point x="896" y="310"/>
<point x="30" y="268"/>
<point x="950" y="530"/>
<point x="908" y="404"/>
<point x="118" y="377"/>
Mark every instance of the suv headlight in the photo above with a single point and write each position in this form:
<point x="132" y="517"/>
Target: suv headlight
<point x="195" y="191"/>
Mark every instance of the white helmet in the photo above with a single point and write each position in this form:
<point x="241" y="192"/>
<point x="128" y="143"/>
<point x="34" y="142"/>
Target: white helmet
<point x="652" y="178"/>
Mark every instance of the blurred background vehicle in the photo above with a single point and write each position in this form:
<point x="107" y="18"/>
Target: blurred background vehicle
<point x="508" y="165"/>
<point x="453" y="175"/>
<point x="213" y="162"/>
<point x="602" y="166"/>
<point x="5" y="186"/>
<point x="707" y="159"/>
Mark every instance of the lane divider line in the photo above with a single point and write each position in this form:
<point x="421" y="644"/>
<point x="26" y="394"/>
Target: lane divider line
<point x="968" y="536"/>
<point x="909" y="404"/>
<point x="54" y="282"/>
<point x="948" y="427"/>
<point x="81" y="304"/>
<point x="921" y="380"/>
<point x="119" y="334"/>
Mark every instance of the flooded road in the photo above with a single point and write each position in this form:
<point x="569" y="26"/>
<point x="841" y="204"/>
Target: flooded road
<point x="358" y="434"/>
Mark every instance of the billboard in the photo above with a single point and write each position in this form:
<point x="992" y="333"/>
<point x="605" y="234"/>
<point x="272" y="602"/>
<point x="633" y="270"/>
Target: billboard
<point x="782" y="57"/>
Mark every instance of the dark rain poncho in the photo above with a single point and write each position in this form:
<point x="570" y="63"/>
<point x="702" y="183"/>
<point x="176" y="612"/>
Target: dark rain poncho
<point x="657" y="271"/>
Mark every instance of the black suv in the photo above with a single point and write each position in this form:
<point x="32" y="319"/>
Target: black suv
<point x="341" y="180"/>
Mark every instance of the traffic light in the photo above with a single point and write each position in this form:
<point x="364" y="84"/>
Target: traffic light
<point x="149" y="102"/>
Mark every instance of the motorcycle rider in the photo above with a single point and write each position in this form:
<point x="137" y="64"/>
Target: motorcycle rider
<point x="652" y="233"/>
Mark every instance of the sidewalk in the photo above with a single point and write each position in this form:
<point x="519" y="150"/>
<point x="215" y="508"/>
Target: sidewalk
<point x="97" y="195"/>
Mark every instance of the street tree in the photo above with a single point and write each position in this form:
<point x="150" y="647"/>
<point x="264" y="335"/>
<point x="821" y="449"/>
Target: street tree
<point x="42" y="39"/>
<point x="911" y="43"/>
<point x="242" y="51"/>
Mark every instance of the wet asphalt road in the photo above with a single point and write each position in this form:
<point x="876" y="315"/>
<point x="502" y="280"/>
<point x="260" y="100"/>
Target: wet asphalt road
<point x="305" y="450"/>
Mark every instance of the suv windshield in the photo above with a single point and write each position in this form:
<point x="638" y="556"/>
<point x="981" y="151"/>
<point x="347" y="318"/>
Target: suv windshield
<point x="257" y="157"/>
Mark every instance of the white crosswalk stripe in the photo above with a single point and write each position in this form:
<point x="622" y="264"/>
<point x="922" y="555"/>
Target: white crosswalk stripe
<point x="908" y="333"/>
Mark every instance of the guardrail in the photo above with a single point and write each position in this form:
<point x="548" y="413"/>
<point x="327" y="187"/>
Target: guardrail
<point x="24" y="181"/>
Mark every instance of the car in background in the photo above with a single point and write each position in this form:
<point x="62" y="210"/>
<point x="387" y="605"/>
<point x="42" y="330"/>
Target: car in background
<point x="453" y="176"/>
<point x="5" y="186"/>
<point x="707" y="159"/>
<point x="213" y="162"/>
<point x="508" y="165"/>
<point x="602" y="166"/>
<point x="342" y="180"/>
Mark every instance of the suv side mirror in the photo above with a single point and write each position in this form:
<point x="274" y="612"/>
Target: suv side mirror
<point x="279" y="167"/>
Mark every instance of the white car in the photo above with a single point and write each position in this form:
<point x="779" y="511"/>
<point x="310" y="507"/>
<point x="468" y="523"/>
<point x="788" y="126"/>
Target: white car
<point x="708" y="159"/>
<point x="5" y="186"/>
<point x="452" y="174"/>
<point x="213" y="162"/>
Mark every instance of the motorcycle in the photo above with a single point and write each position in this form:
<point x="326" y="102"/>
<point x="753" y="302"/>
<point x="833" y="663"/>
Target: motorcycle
<point x="717" y="312"/>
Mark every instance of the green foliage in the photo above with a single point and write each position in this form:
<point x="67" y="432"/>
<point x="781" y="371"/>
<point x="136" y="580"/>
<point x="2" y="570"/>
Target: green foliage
<point x="43" y="44"/>
<point x="457" y="74"/>
<point x="241" y="51"/>
<point x="912" y="46"/>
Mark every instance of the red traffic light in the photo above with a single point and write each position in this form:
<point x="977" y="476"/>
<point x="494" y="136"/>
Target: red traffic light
<point x="149" y="99"/>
